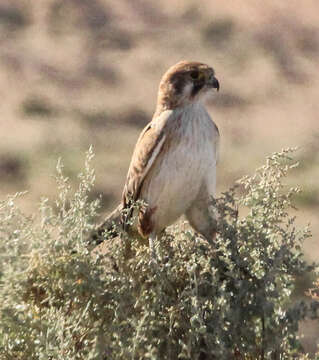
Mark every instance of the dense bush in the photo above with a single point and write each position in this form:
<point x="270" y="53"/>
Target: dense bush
<point x="230" y="301"/>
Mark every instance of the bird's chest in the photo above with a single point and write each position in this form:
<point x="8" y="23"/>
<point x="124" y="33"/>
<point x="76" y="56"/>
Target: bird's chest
<point x="182" y="168"/>
<point x="187" y="154"/>
<point x="190" y="147"/>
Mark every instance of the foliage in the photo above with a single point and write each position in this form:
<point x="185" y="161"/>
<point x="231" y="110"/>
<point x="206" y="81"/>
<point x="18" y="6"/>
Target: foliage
<point x="229" y="300"/>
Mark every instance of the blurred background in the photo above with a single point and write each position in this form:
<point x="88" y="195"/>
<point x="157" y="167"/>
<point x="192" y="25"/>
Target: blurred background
<point x="81" y="72"/>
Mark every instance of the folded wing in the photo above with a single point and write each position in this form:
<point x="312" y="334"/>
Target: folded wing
<point x="148" y="148"/>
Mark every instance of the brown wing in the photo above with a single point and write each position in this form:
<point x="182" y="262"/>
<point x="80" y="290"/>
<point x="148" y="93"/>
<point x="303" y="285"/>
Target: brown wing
<point x="147" y="149"/>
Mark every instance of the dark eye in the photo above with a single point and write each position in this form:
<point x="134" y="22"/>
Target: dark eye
<point x="194" y="74"/>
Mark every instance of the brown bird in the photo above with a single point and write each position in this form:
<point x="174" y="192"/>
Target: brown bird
<point x="173" y="167"/>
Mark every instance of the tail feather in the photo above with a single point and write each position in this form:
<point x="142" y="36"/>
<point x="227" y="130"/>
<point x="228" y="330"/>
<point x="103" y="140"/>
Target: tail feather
<point x="111" y="225"/>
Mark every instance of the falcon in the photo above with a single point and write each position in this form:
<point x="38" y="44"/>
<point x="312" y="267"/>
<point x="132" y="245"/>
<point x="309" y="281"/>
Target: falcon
<point x="173" y="167"/>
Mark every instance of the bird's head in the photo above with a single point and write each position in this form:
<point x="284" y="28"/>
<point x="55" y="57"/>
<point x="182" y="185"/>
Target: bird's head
<point x="185" y="83"/>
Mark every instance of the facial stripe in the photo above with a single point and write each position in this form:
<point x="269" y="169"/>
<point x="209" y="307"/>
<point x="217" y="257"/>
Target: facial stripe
<point x="197" y="87"/>
<point x="179" y="84"/>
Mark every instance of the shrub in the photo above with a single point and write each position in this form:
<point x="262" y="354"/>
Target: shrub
<point x="227" y="301"/>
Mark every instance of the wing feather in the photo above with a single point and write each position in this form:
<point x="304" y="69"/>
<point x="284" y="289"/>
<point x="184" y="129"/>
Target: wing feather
<point x="147" y="150"/>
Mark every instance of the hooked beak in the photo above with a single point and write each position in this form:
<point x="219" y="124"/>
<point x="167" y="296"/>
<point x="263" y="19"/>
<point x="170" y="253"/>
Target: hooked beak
<point x="213" y="82"/>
